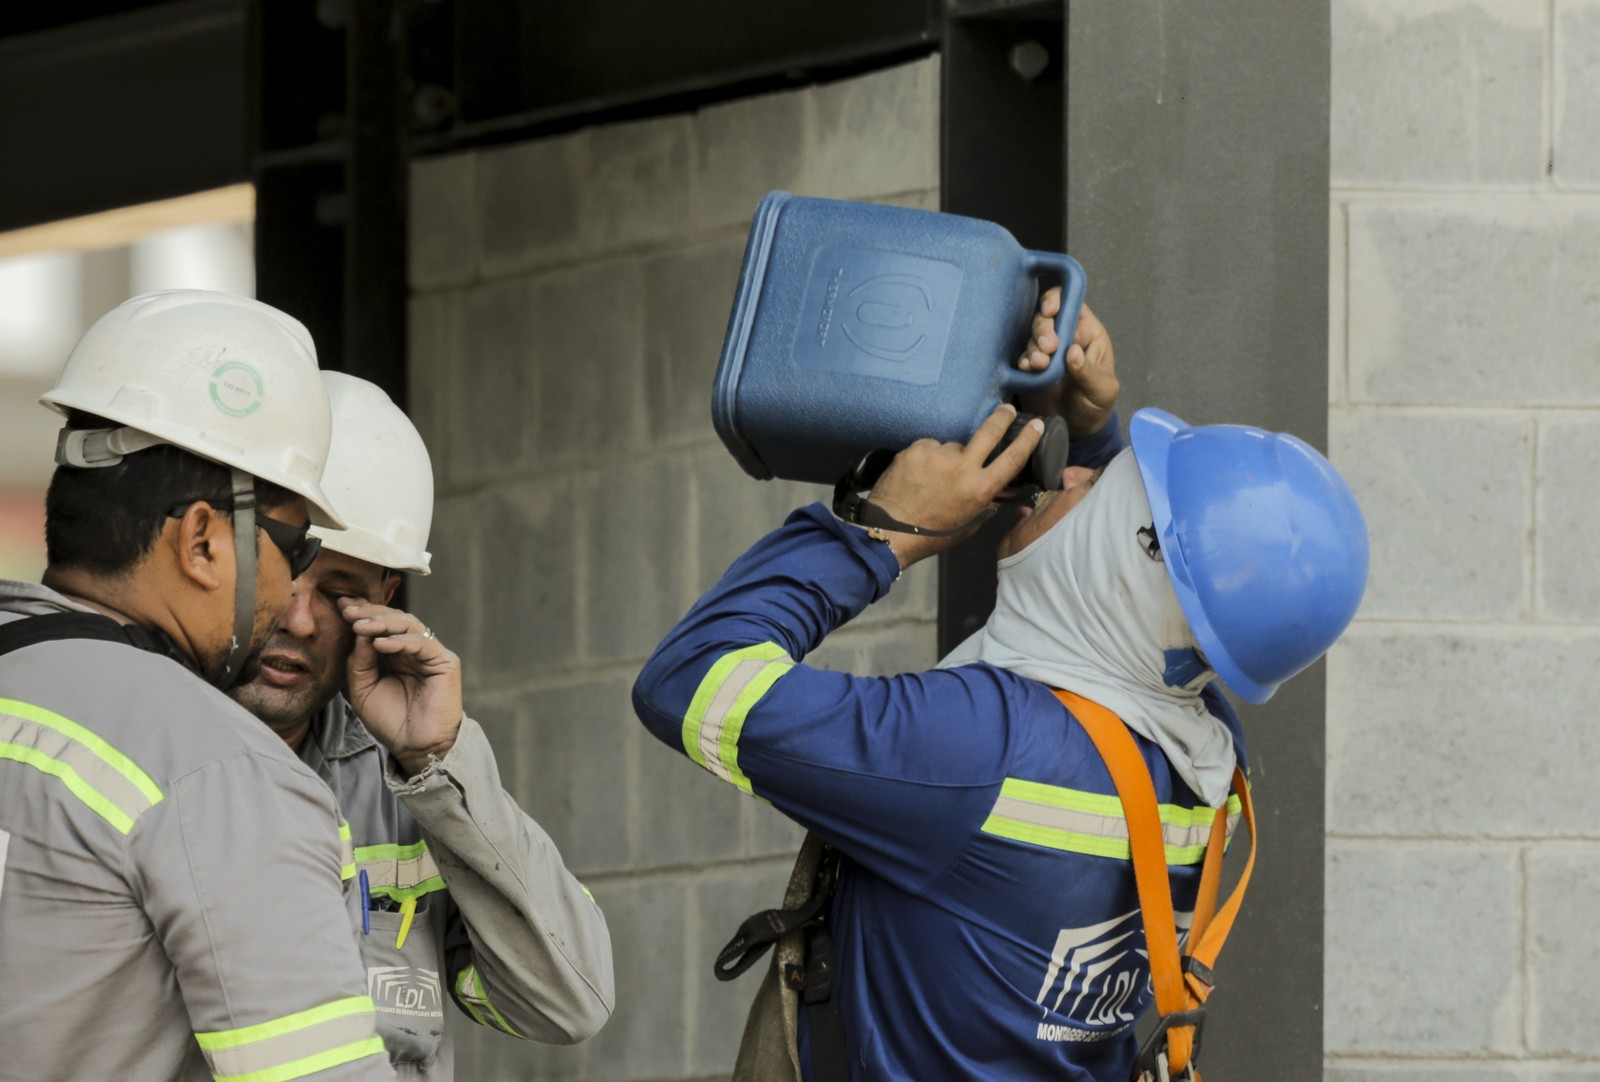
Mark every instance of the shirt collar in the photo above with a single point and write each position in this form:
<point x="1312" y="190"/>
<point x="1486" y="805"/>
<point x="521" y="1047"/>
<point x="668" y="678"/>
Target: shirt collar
<point x="32" y="599"/>
<point x="338" y="732"/>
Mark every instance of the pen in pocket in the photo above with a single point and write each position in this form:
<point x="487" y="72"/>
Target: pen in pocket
<point x="408" y="910"/>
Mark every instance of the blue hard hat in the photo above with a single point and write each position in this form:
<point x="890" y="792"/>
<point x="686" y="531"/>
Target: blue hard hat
<point x="1263" y="541"/>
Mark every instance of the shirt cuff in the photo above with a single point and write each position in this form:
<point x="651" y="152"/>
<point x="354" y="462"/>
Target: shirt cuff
<point x="435" y="775"/>
<point x="1096" y="450"/>
<point x="878" y="557"/>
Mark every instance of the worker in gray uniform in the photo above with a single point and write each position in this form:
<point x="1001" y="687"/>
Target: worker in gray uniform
<point x="170" y="876"/>
<point x="467" y="896"/>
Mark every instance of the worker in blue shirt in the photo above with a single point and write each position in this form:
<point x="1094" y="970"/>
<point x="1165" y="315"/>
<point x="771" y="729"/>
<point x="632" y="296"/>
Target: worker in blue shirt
<point x="985" y="921"/>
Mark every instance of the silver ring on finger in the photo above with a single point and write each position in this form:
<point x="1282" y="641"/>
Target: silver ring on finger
<point x="427" y="632"/>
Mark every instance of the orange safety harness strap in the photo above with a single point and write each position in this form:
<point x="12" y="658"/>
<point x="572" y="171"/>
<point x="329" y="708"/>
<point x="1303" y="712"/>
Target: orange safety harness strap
<point x="1181" y="984"/>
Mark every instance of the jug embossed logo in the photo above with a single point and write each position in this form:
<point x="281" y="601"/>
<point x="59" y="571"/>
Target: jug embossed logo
<point x="880" y="314"/>
<point x="886" y="316"/>
<point x="829" y="297"/>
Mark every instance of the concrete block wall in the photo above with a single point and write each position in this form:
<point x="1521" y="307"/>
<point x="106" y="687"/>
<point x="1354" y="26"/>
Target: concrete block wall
<point x="1463" y="852"/>
<point x="569" y="300"/>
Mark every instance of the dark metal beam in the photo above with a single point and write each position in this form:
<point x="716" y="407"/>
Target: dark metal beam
<point x="376" y="183"/>
<point x="331" y="178"/>
<point x="1002" y="158"/>
<point x="526" y="67"/>
<point x="297" y="68"/>
<point x="120" y="110"/>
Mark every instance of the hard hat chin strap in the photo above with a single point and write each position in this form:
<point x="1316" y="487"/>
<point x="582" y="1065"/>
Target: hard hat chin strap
<point x="244" y="583"/>
<point x="93" y="448"/>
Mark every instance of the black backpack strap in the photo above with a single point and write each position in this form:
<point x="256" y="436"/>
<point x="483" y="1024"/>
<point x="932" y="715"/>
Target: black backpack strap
<point x="761" y="931"/>
<point x="824" y="1024"/>
<point x="16" y="634"/>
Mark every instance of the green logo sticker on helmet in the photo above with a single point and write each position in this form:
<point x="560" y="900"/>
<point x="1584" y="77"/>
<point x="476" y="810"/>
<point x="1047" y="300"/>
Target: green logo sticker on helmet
<point x="236" y="389"/>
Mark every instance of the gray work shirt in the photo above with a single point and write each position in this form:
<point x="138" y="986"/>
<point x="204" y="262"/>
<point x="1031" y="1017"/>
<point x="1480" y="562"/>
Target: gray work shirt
<point x="500" y="925"/>
<point x="170" y="879"/>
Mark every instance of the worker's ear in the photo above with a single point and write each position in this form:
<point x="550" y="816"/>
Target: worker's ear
<point x="202" y="541"/>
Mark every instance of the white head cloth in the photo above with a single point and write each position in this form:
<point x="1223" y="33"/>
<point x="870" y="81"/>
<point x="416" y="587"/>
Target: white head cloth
<point x="1087" y="609"/>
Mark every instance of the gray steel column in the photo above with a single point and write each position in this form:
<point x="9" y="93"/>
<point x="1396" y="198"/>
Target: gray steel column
<point x="1197" y="201"/>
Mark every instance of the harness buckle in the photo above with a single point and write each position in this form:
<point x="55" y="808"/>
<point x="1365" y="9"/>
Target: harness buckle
<point x="1152" y="1063"/>
<point x="1163" y="1072"/>
<point x="1201" y="972"/>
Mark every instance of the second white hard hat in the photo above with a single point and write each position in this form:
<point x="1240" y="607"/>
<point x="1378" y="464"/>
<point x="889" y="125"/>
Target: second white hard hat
<point x="380" y="476"/>
<point x="224" y="377"/>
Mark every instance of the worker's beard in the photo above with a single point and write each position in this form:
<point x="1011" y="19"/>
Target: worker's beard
<point x="249" y="666"/>
<point x="313" y="678"/>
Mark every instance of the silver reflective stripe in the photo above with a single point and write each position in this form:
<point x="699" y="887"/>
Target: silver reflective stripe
<point x="466" y="995"/>
<point x="472" y="995"/>
<point x="403" y="874"/>
<point x="295" y="1045"/>
<point x="410" y="873"/>
<point x="1174" y="835"/>
<point x="722" y="702"/>
<point x="1079" y="821"/>
<point x="720" y="707"/>
<point x="1044" y="815"/>
<point x="101" y="785"/>
<point x="5" y="843"/>
<point x="270" y="1052"/>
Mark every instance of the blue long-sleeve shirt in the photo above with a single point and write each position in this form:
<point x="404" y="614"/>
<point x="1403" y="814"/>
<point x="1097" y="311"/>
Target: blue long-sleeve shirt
<point x="986" y="921"/>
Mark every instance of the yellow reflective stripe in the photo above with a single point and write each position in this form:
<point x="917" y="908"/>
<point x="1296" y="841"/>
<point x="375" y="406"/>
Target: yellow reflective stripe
<point x="347" y="855"/>
<point x="1055" y="838"/>
<point x="1060" y="797"/>
<point x="469" y="986"/>
<point x="295" y="1045"/>
<point x="399" y="871"/>
<point x="721" y="703"/>
<point x="391" y="852"/>
<point x="73" y="731"/>
<point x="702" y="725"/>
<point x="322" y="1061"/>
<point x="107" y="781"/>
<point x="733" y="725"/>
<point x="1107" y="803"/>
<point x="1076" y="821"/>
<point x="498" y="1017"/>
<point x="119" y="820"/>
<point x="289" y="1023"/>
<point x="400" y="894"/>
<point x="465" y="998"/>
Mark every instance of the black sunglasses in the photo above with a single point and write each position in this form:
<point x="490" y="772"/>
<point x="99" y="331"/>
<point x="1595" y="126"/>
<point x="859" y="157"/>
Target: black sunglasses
<point x="298" y="546"/>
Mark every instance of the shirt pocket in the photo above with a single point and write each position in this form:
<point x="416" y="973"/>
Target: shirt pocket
<point x="405" y="984"/>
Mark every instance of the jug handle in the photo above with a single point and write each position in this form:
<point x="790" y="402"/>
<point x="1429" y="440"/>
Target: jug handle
<point x="1015" y="380"/>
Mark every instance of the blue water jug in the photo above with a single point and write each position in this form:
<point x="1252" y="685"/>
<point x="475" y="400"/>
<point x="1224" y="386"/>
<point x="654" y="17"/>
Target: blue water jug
<point x="857" y="327"/>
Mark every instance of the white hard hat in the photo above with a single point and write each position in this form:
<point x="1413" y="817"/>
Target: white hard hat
<point x="379" y="475"/>
<point x="227" y="378"/>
